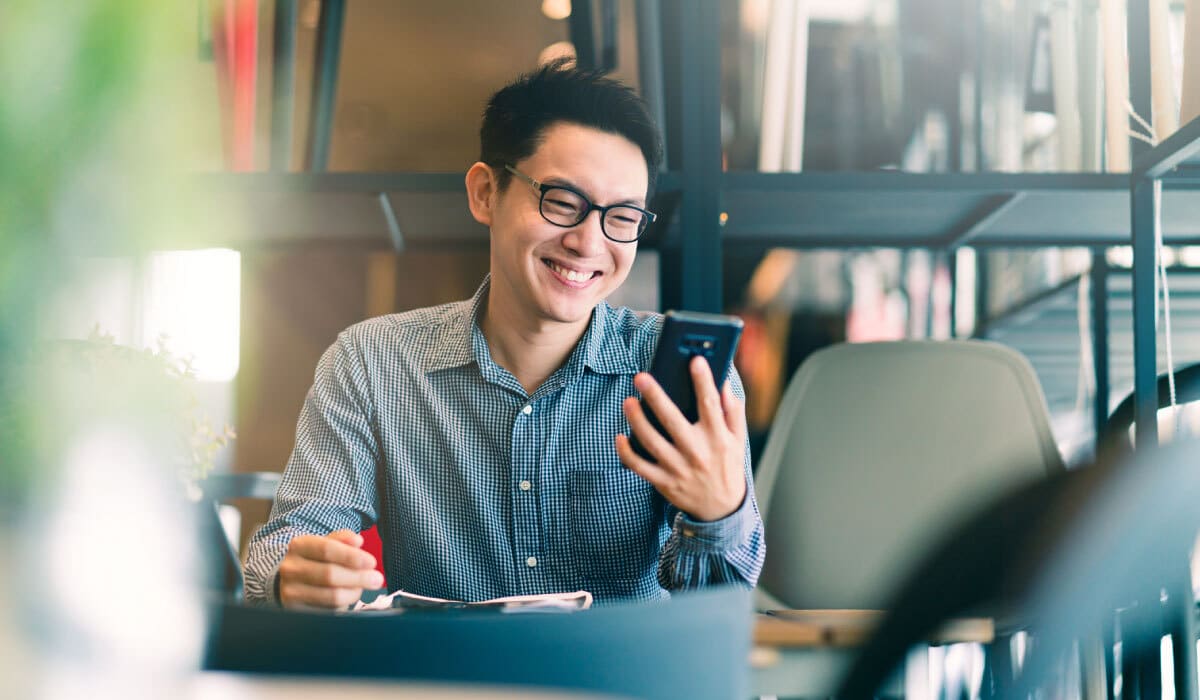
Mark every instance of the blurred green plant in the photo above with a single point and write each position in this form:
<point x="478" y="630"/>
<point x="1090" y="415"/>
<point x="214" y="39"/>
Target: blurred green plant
<point x="90" y="116"/>
<point x="151" y="385"/>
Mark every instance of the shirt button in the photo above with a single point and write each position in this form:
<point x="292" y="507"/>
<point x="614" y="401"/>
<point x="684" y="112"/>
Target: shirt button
<point x="531" y="562"/>
<point x="525" y="485"/>
<point x="528" y="409"/>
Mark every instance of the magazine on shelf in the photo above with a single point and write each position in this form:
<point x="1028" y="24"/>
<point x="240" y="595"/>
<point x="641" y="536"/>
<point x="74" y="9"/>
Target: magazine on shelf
<point x="549" y="602"/>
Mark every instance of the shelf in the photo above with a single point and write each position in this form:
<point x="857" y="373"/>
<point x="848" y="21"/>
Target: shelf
<point x="1047" y="333"/>
<point x="1175" y="161"/>
<point x="814" y="210"/>
<point x="399" y="211"/>
<point x="802" y="210"/>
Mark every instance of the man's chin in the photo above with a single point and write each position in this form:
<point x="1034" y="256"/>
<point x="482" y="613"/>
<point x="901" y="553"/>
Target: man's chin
<point x="576" y="313"/>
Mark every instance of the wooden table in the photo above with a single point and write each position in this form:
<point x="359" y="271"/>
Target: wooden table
<point x="805" y="653"/>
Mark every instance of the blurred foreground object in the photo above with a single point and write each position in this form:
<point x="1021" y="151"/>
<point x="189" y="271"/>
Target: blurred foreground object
<point x="96" y="132"/>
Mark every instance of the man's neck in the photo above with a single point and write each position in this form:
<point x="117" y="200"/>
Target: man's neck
<point x="530" y="349"/>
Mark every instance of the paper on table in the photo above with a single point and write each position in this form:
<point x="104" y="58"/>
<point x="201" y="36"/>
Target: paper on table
<point x="549" y="602"/>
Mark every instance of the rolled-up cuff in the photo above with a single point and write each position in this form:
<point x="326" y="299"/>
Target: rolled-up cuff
<point x="716" y="535"/>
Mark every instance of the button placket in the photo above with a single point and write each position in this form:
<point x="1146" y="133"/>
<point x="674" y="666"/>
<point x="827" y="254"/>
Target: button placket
<point x="527" y="536"/>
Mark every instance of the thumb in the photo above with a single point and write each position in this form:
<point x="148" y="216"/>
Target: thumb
<point x="347" y="537"/>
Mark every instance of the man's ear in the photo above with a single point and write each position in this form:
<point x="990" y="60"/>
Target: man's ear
<point x="481" y="192"/>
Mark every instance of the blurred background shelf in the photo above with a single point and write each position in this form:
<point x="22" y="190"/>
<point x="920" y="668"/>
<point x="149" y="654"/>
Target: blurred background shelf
<point x="804" y="210"/>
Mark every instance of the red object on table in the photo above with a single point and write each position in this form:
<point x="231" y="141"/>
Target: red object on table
<point x="374" y="546"/>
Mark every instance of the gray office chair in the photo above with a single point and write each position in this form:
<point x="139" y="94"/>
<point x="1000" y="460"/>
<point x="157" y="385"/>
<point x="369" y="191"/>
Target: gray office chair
<point x="695" y="645"/>
<point x="877" y="448"/>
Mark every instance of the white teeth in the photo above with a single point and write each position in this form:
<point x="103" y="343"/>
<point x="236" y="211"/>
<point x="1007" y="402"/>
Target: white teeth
<point x="570" y="274"/>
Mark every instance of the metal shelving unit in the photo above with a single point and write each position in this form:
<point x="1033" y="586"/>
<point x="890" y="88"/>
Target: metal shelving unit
<point x="944" y="210"/>
<point x="706" y="211"/>
<point x="802" y="210"/>
<point x="1171" y="169"/>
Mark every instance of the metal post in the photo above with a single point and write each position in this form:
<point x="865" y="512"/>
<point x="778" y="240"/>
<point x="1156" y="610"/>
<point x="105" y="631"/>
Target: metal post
<point x="283" y="68"/>
<point x="670" y="254"/>
<point x="1148" y="647"/>
<point x="1181" y="612"/>
<point x="952" y="269"/>
<point x="980" y="37"/>
<point x="1099" y="300"/>
<point x="329" y="52"/>
<point x="700" y="142"/>
<point x="1139" y="67"/>
<point x="670" y="282"/>
<point x="608" y="47"/>
<point x="650" y="62"/>
<point x="581" y="28"/>
<point x="1146" y="617"/>
<point x="1144" y="215"/>
<point x="981" y="292"/>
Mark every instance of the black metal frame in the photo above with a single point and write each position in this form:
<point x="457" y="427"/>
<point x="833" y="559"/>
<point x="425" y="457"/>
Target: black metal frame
<point x="283" y="76"/>
<point x="325" y="76"/>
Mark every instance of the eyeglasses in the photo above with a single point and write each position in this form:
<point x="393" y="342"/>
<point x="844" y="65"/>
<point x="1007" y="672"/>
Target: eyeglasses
<point x="563" y="206"/>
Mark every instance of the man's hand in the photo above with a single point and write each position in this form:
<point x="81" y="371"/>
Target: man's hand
<point x="326" y="572"/>
<point x="703" y="472"/>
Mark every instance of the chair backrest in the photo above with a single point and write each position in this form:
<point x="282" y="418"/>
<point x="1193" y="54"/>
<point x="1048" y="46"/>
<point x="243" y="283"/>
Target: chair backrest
<point x="878" y="447"/>
<point x="695" y="645"/>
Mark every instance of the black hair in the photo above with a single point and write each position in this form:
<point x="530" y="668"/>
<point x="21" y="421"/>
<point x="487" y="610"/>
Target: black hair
<point x="518" y="115"/>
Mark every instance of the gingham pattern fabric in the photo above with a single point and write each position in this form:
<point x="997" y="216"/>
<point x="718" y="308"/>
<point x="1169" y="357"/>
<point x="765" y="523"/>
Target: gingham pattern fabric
<point x="481" y="490"/>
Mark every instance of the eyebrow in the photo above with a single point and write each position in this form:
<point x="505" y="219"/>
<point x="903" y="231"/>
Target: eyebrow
<point x="563" y="182"/>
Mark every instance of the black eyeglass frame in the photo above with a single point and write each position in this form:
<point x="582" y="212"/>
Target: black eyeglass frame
<point x="542" y="188"/>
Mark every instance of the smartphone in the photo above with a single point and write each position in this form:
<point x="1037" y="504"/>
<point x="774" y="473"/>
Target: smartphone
<point x="686" y="334"/>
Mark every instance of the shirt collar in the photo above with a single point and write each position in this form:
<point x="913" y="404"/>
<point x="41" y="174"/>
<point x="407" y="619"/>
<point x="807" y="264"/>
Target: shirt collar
<point x="602" y="348"/>
<point x="453" y="345"/>
<point x="605" y="349"/>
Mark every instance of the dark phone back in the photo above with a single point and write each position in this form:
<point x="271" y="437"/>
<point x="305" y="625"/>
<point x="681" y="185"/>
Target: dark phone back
<point x="686" y="334"/>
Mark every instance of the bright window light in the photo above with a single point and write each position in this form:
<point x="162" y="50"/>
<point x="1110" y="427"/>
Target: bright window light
<point x="193" y="298"/>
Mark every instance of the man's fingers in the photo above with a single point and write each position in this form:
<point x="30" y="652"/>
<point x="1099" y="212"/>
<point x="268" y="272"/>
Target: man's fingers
<point x="296" y="594"/>
<point x="651" y="472"/>
<point x="665" y="410"/>
<point x="315" y="573"/>
<point x="648" y="435"/>
<point x="735" y="411"/>
<point x="708" y="399"/>
<point x="327" y="549"/>
<point x="349" y="537"/>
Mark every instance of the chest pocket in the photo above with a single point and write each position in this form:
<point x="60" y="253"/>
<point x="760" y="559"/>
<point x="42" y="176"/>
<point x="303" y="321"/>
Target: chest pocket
<point x="615" y="518"/>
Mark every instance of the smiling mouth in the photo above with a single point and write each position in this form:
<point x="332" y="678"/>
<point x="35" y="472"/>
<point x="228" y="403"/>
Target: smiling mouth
<point x="572" y="275"/>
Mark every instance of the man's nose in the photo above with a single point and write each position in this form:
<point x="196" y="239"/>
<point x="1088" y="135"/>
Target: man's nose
<point x="587" y="237"/>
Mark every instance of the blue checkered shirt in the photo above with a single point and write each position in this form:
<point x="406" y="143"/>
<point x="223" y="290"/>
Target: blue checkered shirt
<point x="481" y="490"/>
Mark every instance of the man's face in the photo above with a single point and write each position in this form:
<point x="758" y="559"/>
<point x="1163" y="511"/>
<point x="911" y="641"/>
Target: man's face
<point x="559" y="274"/>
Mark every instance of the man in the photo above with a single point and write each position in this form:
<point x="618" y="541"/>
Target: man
<point x="487" y="437"/>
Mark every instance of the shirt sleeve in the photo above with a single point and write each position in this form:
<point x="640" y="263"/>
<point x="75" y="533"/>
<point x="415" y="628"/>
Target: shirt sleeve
<point x="726" y="551"/>
<point x="329" y="481"/>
